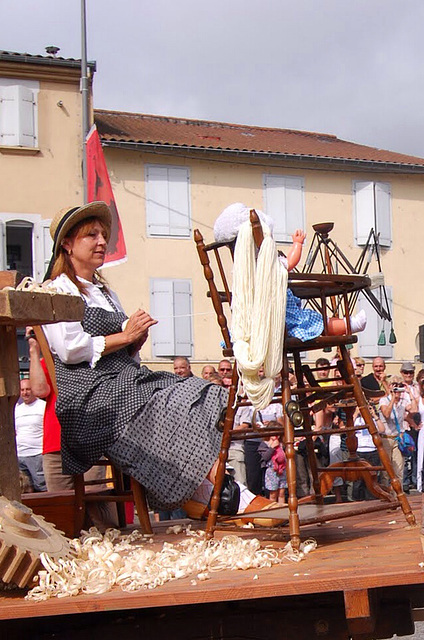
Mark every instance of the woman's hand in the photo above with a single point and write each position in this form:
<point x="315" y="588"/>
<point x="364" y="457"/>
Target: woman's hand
<point x="299" y="236"/>
<point x="137" y="327"/>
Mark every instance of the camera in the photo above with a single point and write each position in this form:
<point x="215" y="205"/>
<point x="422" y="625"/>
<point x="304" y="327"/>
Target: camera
<point x="399" y="388"/>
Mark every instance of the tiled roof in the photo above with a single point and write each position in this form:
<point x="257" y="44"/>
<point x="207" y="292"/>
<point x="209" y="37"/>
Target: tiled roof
<point x="141" y="129"/>
<point x="13" y="56"/>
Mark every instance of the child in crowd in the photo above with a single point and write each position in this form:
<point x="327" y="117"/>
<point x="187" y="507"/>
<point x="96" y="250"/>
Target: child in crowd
<point x="274" y="461"/>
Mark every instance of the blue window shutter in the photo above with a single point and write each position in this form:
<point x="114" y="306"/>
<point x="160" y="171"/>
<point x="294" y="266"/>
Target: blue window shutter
<point x="294" y="206"/>
<point x="182" y="324"/>
<point x="162" y="308"/>
<point x="157" y="201"/>
<point x="384" y="218"/>
<point x="363" y="210"/>
<point x="179" y="201"/>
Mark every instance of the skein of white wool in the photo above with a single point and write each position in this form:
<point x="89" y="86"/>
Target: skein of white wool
<point x="258" y="313"/>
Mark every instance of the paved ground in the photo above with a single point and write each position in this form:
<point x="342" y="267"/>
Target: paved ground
<point x="418" y="635"/>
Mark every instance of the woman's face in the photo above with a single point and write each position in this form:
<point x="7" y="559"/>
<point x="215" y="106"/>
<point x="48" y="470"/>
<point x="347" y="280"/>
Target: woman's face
<point x="87" y="249"/>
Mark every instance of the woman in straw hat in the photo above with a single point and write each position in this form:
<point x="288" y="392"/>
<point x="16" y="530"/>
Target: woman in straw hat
<point x="158" y="427"/>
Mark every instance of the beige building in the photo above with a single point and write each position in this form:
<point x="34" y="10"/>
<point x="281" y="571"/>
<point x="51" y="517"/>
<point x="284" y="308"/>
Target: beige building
<point x="40" y="153"/>
<point x="173" y="175"/>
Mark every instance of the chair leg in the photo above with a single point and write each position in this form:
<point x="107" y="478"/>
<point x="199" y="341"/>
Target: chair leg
<point x="141" y="506"/>
<point x="120" y="489"/>
<point x="79" y="517"/>
<point x="223" y="455"/>
<point x="294" y="524"/>
<point x="384" y="458"/>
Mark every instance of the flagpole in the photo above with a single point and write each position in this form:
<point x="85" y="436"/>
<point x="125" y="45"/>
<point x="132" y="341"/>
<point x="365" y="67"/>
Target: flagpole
<point x="84" y="96"/>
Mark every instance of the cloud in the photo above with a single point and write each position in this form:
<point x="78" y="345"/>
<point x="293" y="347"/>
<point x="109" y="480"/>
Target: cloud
<point x="348" y="67"/>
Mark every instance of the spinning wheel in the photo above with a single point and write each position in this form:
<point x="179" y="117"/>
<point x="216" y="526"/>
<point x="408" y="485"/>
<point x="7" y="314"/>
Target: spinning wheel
<point x="328" y="291"/>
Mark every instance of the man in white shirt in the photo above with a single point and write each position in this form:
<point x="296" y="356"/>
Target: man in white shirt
<point x="29" y="416"/>
<point x="392" y="414"/>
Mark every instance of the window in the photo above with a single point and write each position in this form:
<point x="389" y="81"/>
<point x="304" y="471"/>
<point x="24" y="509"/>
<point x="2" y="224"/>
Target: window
<point x="368" y="339"/>
<point x="284" y="202"/>
<point x="18" y="113"/>
<point x="25" y="244"/>
<point x="372" y="209"/>
<point x="170" y="303"/>
<point x="168" y="201"/>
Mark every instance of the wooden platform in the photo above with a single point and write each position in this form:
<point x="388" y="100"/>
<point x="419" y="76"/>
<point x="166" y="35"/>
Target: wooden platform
<point x="360" y="564"/>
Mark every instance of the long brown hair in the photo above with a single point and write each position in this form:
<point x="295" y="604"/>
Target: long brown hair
<point x="63" y="263"/>
<point x="420" y="376"/>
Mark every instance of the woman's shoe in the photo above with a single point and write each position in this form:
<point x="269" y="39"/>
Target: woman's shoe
<point x="261" y="504"/>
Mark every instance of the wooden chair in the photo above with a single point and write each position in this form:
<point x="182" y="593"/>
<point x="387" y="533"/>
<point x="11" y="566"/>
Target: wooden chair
<point x="324" y="291"/>
<point x="118" y="494"/>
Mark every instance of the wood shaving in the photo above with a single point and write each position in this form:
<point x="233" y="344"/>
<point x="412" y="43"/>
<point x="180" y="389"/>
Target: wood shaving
<point x="104" y="561"/>
<point x="29" y="284"/>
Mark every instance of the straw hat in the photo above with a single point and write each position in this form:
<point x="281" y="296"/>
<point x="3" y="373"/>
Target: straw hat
<point x="67" y="218"/>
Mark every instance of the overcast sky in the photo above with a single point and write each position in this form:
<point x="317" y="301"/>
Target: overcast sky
<point x="353" y="68"/>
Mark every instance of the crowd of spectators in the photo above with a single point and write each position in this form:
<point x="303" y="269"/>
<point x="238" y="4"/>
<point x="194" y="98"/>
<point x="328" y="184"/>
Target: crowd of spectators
<point x="260" y="463"/>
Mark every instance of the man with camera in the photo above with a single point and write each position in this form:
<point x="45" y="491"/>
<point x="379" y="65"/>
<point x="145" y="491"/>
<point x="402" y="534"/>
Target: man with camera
<point x="392" y="412"/>
<point x="411" y="423"/>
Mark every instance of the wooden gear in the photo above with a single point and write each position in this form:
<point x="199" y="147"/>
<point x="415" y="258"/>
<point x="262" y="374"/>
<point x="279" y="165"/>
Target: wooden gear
<point x="326" y="291"/>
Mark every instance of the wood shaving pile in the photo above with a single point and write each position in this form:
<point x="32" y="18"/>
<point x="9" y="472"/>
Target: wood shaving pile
<point x="29" y="284"/>
<point x="104" y="561"/>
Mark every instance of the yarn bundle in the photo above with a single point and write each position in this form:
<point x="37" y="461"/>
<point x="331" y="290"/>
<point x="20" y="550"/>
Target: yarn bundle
<point x="258" y="313"/>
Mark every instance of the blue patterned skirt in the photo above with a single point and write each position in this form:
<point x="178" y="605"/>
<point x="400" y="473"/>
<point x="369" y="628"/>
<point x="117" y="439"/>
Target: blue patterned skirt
<point x="305" y="324"/>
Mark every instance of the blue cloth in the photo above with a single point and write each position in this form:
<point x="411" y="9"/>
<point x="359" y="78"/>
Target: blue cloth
<point x="305" y="324"/>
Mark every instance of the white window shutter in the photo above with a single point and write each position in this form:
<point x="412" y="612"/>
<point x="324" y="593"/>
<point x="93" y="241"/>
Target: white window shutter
<point x="363" y="210"/>
<point x="27" y="136"/>
<point x="9" y="116"/>
<point x="17" y="116"/>
<point x="42" y="248"/>
<point x="182" y="313"/>
<point x="384" y="218"/>
<point x="294" y="206"/>
<point x="162" y="308"/>
<point x="157" y="201"/>
<point x="3" y="248"/>
<point x="284" y="203"/>
<point x="179" y="201"/>
<point x="368" y="338"/>
<point x="275" y="204"/>
<point x="386" y="351"/>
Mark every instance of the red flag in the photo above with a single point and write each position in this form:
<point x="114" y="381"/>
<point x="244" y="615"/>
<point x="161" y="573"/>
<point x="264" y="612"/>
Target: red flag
<point x="99" y="188"/>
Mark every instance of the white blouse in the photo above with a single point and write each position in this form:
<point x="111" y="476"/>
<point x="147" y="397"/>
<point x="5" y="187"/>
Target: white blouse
<point x="68" y="340"/>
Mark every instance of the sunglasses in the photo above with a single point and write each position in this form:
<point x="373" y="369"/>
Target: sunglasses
<point x="222" y="369"/>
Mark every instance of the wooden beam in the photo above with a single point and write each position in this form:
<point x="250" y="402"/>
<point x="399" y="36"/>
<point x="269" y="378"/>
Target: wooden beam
<point x="359" y="616"/>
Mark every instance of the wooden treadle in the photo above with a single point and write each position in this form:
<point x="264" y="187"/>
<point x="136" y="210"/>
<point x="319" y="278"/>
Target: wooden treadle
<point x="314" y="513"/>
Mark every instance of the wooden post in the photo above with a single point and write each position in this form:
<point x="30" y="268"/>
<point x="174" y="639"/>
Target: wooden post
<point x="9" y="393"/>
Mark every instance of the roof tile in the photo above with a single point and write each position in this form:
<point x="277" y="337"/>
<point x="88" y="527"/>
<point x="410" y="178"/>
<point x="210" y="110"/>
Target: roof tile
<point x="161" y="130"/>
